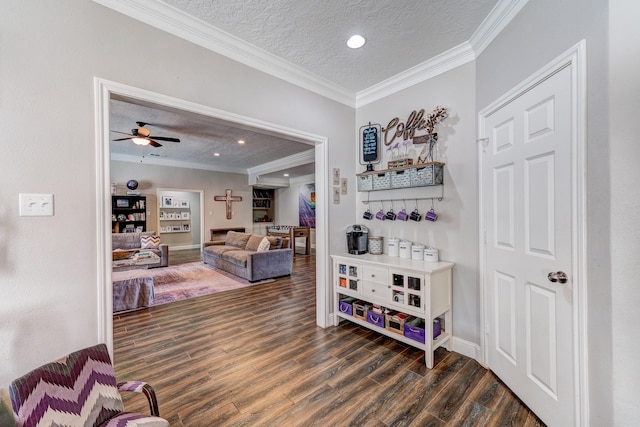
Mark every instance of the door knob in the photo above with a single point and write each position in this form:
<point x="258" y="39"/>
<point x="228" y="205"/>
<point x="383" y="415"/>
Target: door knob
<point x="558" y="276"/>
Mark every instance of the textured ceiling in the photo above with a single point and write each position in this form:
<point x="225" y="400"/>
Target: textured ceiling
<point x="200" y="137"/>
<point x="312" y="34"/>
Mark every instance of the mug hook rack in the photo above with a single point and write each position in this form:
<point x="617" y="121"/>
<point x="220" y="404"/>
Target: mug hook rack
<point x="382" y="201"/>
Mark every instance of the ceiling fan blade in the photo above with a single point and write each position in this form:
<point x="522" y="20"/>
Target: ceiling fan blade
<point x="164" y="138"/>
<point x="121" y="139"/>
<point x="154" y="143"/>
<point x="124" y="133"/>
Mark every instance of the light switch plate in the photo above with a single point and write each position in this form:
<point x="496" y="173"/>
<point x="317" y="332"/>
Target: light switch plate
<point x="36" y="204"/>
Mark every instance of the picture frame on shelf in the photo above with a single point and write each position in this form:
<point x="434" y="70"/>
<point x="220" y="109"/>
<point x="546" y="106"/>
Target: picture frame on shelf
<point x="162" y="215"/>
<point x="176" y="227"/>
<point x="122" y="203"/>
<point x="186" y="227"/>
<point x="185" y="215"/>
<point x="167" y="201"/>
<point x="139" y="229"/>
<point x="183" y="204"/>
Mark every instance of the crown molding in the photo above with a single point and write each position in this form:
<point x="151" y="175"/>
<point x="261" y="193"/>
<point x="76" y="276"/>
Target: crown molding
<point x="499" y="17"/>
<point x="426" y="70"/>
<point x="176" y="22"/>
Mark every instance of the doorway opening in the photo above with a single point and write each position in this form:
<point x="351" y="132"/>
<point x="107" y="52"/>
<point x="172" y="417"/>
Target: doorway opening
<point x="105" y="90"/>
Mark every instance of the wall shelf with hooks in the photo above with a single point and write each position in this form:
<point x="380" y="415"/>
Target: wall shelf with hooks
<point x="368" y="202"/>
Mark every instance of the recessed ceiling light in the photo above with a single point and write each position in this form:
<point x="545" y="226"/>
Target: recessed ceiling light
<point x="216" y="154"/>
<point x="286" y="174"/>
<point x="241" y="141"/>
<point x="356" y="41"/>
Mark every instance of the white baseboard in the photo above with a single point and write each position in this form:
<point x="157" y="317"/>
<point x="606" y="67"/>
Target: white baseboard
<point x="183" y="247"/>
<point x="467" y="348"/>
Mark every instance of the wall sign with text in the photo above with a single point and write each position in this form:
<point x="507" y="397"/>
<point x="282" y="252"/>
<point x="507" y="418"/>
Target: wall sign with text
<point x="370" y="145"/>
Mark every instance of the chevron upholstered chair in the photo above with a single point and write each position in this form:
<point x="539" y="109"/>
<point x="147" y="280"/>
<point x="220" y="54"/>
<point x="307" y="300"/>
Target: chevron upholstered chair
<point x="79" y="390"/>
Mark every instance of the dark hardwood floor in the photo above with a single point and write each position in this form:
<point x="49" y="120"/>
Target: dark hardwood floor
<point x="184" y="256"/>
<point x="255" y="357"/>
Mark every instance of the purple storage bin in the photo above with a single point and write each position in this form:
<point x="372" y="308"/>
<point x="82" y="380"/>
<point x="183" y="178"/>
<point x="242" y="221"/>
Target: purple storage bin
<point x="437" y="328"/>
<point x="414" y="329"/>
<point x="375" y="319"/>
<point x="346" y="307"/>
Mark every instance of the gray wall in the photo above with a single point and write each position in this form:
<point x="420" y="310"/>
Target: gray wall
<point x="624" y="101"/>
<point x="51" y="52"/>
<point x="542" y="31"/>
<point x="153" y="177"/>
<point x="455" y="234"/>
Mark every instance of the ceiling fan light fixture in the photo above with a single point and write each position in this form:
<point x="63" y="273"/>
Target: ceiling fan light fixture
<point x="140" y="141"/>
<point x="216" y="154"/>
<point x="241" y="141"/>
<point x="356" y="41"/>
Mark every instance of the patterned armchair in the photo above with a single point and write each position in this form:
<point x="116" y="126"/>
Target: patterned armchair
<point x="79" y="390"/>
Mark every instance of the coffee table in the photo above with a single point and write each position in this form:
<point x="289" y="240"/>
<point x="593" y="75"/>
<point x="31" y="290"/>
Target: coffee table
<point x="136" y="261"/>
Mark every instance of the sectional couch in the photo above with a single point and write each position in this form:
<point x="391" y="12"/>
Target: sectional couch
<point x="133" y="241"/>
<point x="239" y="254"/>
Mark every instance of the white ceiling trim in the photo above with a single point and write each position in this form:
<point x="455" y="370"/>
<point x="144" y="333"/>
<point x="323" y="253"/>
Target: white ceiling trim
<point x="159" y="161"/>
<point x="174" y="21"/>
<point x="502" y="13"/>
<point x="442" y="63"/>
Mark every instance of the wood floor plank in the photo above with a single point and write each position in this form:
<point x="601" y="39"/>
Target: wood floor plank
<point x="255" y="357"/>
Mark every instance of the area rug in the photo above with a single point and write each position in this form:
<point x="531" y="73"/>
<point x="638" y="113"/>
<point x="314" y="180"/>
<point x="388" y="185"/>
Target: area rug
<point x="185" y="281"/>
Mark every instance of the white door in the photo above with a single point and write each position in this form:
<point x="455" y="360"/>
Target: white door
<point x="528" y="225"/>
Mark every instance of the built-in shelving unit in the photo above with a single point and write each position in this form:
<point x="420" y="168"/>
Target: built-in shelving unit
<point x="263" y="205"/>
<point x="174" y="216"/>
<point x="128" y="214"/>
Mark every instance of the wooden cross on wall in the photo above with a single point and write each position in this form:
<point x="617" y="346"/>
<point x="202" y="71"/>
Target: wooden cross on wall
<point x="228" y="198"/>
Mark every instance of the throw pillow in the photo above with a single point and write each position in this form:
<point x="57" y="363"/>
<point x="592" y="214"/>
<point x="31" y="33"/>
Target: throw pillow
<point x="274" y="242"/>
<point x="150" y="242"/>
<point x="264" y="245"/>
<point x="239" y="240"/>
<point x="253" y="243"/>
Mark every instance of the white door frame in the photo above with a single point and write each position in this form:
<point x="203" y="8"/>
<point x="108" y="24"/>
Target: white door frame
<point x="103" y="89"/>
<point x="575" y="58"/>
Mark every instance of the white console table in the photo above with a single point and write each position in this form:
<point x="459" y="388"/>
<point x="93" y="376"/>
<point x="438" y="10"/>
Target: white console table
<point x="415" y="287"/>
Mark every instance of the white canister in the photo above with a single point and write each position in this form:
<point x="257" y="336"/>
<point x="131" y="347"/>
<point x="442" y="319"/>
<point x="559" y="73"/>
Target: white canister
<point x="392" y="246"/>
<point x="431" y="254"/>
<point x="404" y="249"/>
<point x="375" y="245"/>
<point x="417" y="252"/>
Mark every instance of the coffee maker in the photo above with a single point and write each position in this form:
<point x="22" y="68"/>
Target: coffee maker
<point x="357" y="238"/>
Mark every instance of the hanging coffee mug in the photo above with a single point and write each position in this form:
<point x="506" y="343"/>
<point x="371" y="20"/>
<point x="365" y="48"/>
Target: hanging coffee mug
<point x="403" y="215"/>
<point x="367" y="214"/>
<point x="415" y="215"/>
<point x="380" y="215"/>
<point x="391" y="215"/>
<point x="431" y="215"/>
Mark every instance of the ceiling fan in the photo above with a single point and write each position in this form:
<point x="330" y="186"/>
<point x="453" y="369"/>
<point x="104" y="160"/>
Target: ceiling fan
<point x="142" y="136"/>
